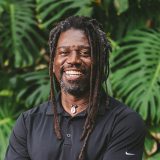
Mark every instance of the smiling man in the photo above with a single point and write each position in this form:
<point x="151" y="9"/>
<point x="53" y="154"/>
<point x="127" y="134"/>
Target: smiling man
<point x="73" y="48"/>
<point x="81" y="122"/>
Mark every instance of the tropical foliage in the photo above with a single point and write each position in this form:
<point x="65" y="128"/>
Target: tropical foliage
<point x="138" y="60"/>
<point x="134" y="29"/>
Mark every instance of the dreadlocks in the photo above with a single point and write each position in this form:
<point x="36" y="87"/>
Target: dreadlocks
<point x="100" y="48"/>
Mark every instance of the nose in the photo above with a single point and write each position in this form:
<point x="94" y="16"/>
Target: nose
<point x="74" y="58"/>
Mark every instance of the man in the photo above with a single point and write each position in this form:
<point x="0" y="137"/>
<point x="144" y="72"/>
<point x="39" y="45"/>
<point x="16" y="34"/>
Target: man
<point x="88" y="124"/>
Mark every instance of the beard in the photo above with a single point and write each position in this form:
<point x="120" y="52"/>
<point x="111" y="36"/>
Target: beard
<point x="76" y="87"/>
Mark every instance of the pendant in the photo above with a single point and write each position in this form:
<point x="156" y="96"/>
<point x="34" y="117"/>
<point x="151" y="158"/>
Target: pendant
<point x="74" y="109"/>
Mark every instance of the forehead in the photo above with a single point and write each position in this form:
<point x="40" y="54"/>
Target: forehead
<point x="73" y="37"/>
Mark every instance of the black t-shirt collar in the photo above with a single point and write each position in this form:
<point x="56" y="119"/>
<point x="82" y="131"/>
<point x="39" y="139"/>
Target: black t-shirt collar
<point x="61" y="111"/>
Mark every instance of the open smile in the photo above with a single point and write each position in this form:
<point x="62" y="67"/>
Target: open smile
<point x="73" y="74"/>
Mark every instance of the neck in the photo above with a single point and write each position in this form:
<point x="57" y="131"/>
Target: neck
<point x="80" y="103"/>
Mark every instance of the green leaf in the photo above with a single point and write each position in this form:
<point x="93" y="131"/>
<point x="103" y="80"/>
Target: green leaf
<point x="154" y="157"/>
<point x="150" y="145"/>
<point x="155" y="132"/>
<point x="38" y="90"/>
<point x="19" y="24"/>
<point x="6" y="124"/>
<point x="121" y="5"/>
<point x="57" y="9"/>
<point x="136" y="72"/>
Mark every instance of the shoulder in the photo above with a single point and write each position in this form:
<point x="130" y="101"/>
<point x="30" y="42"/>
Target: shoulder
<point x="120" y="109"/>
<point x="125" y="131"/>
<point x="37" y="110"/>
<point x="35" y="114"/>
<point x="124" y="117"/>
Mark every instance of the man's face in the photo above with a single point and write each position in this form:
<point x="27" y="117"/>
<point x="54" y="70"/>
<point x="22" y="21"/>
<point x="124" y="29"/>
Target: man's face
<point x="72" y="62"/>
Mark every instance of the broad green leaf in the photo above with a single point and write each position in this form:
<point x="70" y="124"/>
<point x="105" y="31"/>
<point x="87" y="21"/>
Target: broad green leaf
<point x="6" y="124"/>
<point x="19" y="24"/>
<point x="57" y="9"/>
<point x="155" y="132"/>
<point x="150" y="145"/>
<point x="38" y="89"/>
<point x="155" y="157"/>
<point x="121" y="5"/>
<point x="136" y="75"/>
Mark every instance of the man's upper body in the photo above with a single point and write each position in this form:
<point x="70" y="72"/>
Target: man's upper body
<point x="118" y="134"/>
<point x="82" y="123"/>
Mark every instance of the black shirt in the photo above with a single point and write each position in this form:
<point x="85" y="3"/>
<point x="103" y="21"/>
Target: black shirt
<point x="118" y="135"/>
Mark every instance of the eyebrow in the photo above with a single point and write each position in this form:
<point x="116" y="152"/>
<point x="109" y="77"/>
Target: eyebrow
<point x="80" y="46"/>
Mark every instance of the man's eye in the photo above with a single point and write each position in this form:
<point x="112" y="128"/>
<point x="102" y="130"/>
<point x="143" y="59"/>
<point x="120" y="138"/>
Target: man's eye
<point x="84" y="53"/>
<point x="63" y="52"/>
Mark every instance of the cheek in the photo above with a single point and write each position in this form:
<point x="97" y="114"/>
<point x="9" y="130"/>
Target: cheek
<point x="88" y="63"/>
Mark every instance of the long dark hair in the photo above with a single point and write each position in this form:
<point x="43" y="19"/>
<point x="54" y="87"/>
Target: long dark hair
<point x="100" y="48"/>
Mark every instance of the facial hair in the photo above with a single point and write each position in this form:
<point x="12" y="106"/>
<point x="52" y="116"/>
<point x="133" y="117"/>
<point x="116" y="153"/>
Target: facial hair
<point x="75" y="87"/>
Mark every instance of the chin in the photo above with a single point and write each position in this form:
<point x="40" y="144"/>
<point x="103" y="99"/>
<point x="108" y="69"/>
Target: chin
<point x="75" y="89"/>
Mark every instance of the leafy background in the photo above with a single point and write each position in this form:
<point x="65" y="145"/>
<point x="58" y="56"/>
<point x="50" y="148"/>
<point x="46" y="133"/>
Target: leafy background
<point x="134" y="29"/>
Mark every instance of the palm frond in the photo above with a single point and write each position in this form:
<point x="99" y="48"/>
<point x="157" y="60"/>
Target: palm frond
<point x="58" y="9"/>
<point x="150" y="145"/>
<point x="136" y="72"/>
<point x="38" y="87"/>
<point x="20" y="25"/>
<point x="155" y="157"/>
<point x="7" y="115"/>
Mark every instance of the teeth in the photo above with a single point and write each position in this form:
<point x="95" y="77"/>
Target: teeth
<point x="73" y="73"/>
